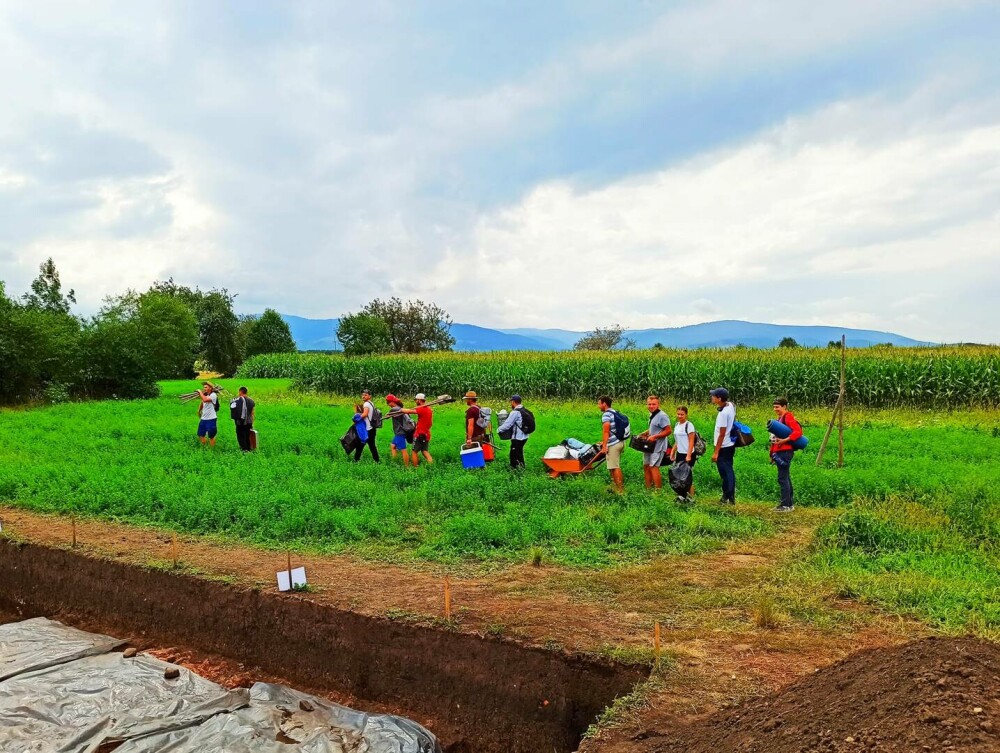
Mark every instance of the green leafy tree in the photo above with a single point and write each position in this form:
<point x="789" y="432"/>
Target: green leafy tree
<point x="788" y="342"/>
<point x="268" y="333"/>
<point x="167" y="326"/>
<point x="46" y="291"/>
<point x="218" y="325"/>
<point x="117" y="359"/>
<point x="363" y="334"/>
<point x="413" y="326"/>
<point x="605" y="338"/>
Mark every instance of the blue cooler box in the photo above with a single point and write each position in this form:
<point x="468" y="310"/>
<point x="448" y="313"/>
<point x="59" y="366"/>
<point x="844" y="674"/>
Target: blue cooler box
<point x="473" y="457"/>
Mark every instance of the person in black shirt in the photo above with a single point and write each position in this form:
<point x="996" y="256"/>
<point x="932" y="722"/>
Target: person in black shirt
<point x="242" y="410"/>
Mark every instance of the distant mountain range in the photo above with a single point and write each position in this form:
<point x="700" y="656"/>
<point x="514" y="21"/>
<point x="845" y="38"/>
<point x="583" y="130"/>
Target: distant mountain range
<point x="321" y="334"/>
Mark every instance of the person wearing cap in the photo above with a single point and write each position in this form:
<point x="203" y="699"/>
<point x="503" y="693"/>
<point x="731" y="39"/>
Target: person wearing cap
<point x="422" y="434"/>
<point x="367" y="409"/>
<point x="473" y="431"/>
<point x="782" y="453"/>
<point x="400" y="424"/>
<point x="208" y="414"/>
<point x="515" y="424"/>
<point x="242" y="411"/>
<point x="725" y="448"/>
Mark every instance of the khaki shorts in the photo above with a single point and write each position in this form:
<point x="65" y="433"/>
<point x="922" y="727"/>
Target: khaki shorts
<point x="615" y="456"/>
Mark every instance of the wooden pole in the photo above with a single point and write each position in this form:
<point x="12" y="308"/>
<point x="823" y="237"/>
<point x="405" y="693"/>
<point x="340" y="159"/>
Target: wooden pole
<point x="829" y="431"/>
<point x="447" y="598"/>
<point x="173" y="548"/>
<point x="656" y="642"/>
<point x="843" y="399"/>
<point x="73" y="526"/>
<point x="289" y="569"/>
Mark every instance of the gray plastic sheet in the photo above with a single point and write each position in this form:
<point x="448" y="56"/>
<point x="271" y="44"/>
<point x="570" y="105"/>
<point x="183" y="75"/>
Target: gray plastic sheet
<point x="275" y="722"/>
<point x="79" y="705"/>
<point x="39" y="643"/>
<point x="61" y="691"/>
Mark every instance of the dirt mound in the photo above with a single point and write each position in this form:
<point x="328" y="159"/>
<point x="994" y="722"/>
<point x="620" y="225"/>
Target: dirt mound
<point x="934" y="695"/>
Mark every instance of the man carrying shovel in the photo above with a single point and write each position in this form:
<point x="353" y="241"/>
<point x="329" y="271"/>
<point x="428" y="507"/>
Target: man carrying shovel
<point x="208" y="413"/>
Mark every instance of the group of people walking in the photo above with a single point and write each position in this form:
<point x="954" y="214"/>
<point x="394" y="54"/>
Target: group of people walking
<point x="411" y="440"/>
<point x="688" y="446"/>
<point x="411" y="427"/>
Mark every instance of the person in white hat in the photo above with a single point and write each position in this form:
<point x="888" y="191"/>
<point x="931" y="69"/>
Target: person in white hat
<point x="422" y="434"/>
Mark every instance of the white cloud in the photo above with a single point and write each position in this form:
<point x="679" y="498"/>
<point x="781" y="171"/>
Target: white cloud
<point x="775" y="214"/>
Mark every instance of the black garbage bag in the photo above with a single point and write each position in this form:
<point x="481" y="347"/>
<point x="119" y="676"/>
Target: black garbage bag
<point x="679" y="478"/>
<point x="350" y="440"/>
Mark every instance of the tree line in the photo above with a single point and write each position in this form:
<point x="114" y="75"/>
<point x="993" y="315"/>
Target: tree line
<point x="169" y="331"/>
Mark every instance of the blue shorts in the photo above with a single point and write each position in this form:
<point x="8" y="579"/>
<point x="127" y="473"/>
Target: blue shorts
<point x="399" y="441"/>
<point x="208" y="428"/>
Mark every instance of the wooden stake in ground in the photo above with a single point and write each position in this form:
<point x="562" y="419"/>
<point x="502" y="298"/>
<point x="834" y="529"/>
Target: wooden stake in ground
<point x="843" y="399"/>
<point x="447" y="598"/>
<point x="838" y="410"/>
<point x="73" y="526"/>
<point x="656" y="642"/>
<point x="289" y="569"/>
<point x="173" y="549"/>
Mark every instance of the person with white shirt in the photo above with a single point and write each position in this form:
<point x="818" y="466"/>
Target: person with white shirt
<point x="367" y="409"/>
<point x="208" y="414"/>
<point x="684" y="438"/>
<point x="725" y="448"/>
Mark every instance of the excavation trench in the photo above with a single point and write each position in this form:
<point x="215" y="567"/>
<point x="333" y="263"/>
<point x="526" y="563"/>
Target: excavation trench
<point x="474" y="693"/>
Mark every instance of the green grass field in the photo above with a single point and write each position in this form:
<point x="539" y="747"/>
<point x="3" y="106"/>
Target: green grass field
<point x="918" y="534"/>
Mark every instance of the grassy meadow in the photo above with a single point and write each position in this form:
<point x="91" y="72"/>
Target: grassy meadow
<point x="917" y="532"/>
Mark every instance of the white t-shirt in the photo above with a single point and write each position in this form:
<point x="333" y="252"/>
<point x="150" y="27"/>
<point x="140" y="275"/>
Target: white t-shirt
<point x="681" y="437"/>
<point x="210" y="410"/>
<point x="371" y="409"/>
<point x="725" y="420"/>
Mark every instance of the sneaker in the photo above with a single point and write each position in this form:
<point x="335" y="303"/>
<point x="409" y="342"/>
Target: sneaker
<point x="784" y="508"/>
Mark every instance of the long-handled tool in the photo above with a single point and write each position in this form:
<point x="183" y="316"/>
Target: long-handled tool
<point x="189" y="396"/>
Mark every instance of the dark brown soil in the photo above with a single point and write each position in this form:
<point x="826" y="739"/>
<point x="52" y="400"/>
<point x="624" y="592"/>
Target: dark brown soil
<point x="476" y="694"/>
<point x="931" y="695"/>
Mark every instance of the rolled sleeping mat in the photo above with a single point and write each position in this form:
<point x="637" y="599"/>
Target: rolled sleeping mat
<point x="781" y="431"/>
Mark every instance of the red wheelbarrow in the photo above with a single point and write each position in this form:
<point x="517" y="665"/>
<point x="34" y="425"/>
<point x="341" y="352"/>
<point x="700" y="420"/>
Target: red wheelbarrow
<point x="563" y="466"/>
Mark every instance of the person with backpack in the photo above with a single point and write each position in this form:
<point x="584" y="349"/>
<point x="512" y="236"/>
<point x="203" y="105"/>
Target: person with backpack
<point x="657" y="433"/>
<point x="422" y="433"/>
<point x="371" y="417"/>
<point x="475" y="418"/>
<point x="208" y="414"/>
<point x="615" y="430"/>
<point x="685" y="441"/>
<point x="782" y="453"/>
<point x="517" y="427"/>
<point x="403" y="428"/>
<point x="725" y="446"/>
<point x="242" y="411"/>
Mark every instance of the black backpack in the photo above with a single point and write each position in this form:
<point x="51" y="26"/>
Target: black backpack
<point x="527" y="420"/>
<point x="375" y="416"/>
<point x="236" y="408"/>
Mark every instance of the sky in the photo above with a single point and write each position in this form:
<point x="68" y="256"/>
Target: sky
<point x="522" y="164"/>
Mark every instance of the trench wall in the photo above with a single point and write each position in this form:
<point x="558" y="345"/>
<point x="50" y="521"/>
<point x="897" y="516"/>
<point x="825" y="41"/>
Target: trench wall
<point x="488" y="694"/>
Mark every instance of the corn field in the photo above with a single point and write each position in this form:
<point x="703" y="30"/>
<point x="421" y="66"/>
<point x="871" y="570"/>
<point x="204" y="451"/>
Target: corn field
<point x="876" y="377"/>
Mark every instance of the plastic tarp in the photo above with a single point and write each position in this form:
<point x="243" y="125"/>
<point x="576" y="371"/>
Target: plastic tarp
<point x="81" y="704"/>
<point x="61" y="694"/>
<point x="277" y="722"/>
<point x="39" y="643"/>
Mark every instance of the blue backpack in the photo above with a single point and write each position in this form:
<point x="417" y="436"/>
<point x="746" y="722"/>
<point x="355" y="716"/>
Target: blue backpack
<point x="742" y="435"/>
<point x="621" y="427"/>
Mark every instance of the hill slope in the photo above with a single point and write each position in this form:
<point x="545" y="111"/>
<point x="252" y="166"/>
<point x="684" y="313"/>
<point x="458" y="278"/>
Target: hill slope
<point x="321" y="334"/>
